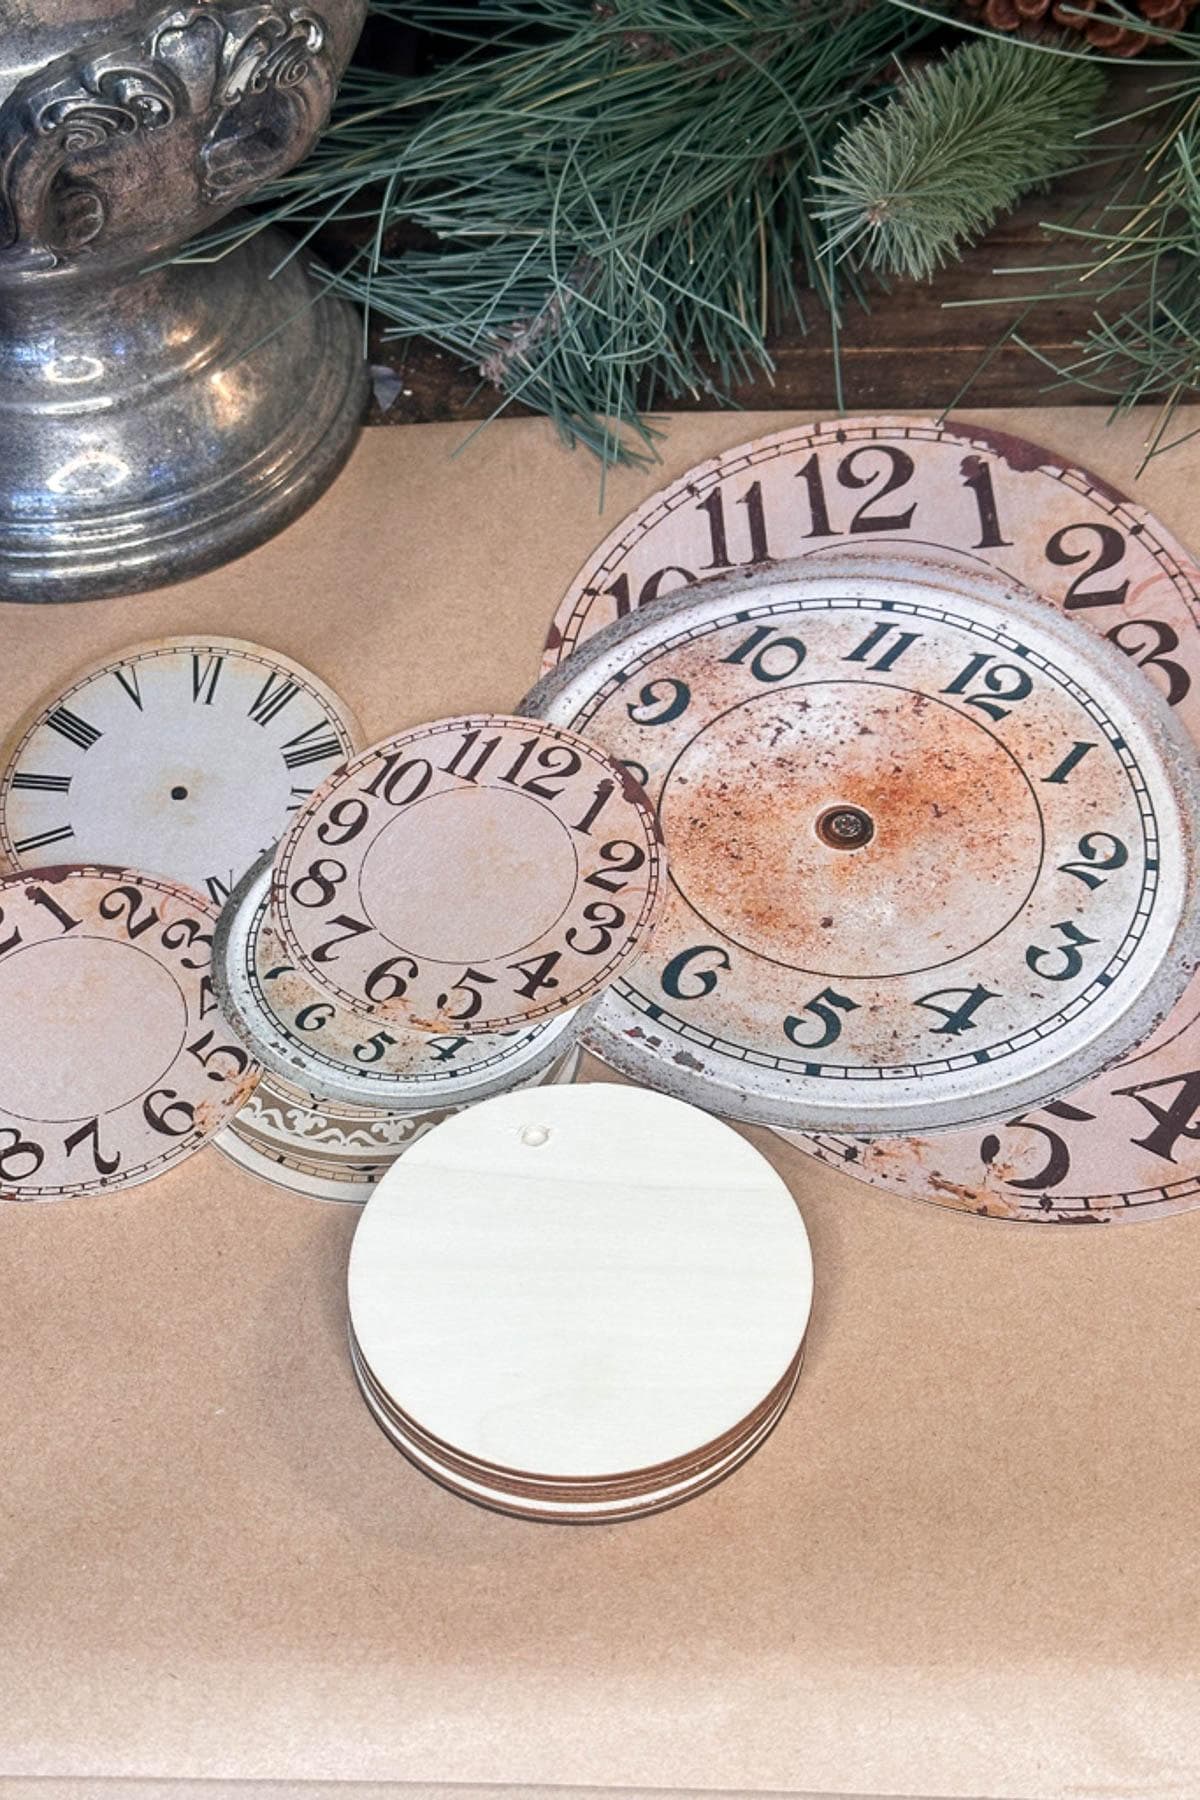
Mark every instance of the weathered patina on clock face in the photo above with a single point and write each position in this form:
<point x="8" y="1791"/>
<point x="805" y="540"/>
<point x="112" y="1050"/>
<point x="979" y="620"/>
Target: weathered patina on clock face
<point x="472" y="875"/>
<point x="930" y="845"/>
<point x="116" y="1063"/>
<point x="186" y="757"/>
<point x="1126" y="1145"/>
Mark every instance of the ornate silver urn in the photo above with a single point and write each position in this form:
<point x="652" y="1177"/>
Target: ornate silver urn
<point x="156" y="420"/>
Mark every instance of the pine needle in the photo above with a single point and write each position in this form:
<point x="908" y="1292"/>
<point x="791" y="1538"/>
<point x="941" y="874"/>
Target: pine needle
<point x="928" y="172"/>
<point x="598" y="207"/>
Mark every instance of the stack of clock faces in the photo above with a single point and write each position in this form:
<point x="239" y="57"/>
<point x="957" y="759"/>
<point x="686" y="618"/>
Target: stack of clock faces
<point x="864" y="838"/>
<point x="434" y="925"/>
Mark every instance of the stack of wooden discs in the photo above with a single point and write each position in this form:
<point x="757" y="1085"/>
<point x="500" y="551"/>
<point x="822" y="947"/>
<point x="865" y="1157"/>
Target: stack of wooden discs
<point x="579" y="1304"/>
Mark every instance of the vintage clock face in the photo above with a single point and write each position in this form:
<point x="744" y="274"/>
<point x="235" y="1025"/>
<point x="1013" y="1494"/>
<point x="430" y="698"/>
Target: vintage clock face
<point x="930" y="845"/>
<point x="337" y="1054"/>
<point x="1067" y="535"/>
<point x="1128" y="1145"/>
<point x="186" y="757"/>
<point x="473" y="875"/>
<point x="116" y="1062"/>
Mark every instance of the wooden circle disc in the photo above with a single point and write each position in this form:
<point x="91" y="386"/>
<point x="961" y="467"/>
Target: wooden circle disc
<point x="568" y="1508"/>
<point x="186" y="756"/>
<point x="115" y="1062"/>
<point x="473" y="875"/>
<point x="336" y="1054"/>
<point x="579" y="1283"/>
<point x="931" y="845"/>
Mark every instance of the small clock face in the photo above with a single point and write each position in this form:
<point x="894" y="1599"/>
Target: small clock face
<point x="929" y="846"/>
<point x="116" y="1063"/>
<point x="473" y="875"/>
<point x="337" y="1054"/>
<point x="186" y="757"/>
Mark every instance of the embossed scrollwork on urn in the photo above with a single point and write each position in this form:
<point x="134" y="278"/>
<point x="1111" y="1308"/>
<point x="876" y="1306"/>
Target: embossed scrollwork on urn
<point x="138" y="140"/>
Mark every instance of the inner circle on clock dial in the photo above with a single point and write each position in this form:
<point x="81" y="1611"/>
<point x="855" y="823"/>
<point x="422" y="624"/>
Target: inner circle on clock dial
<point x="885" y="832"/>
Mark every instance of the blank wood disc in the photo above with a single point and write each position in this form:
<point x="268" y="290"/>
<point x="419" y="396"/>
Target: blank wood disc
<point x="115" y="1063"/>
<point x="579" y="1288"/>
<point x="472" y="875"/>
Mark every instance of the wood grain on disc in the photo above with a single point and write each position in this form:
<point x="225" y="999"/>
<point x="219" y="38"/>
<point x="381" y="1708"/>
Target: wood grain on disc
<point x="336" y="1054"/>
<point x="580" y="1283"/>
<point x="1127" y="1145"/>
<point x="931" y="845"/>
<point x="186" y="757"/>
<point x="565" y="1508"/>
<point x="115" y="1063"/>
<point x="473" y="875"/>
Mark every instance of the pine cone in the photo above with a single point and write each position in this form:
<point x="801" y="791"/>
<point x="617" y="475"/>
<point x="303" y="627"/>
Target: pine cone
<point x="1032" y="17"/>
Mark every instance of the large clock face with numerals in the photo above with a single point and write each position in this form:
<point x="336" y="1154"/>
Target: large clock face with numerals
<point x="186" y="757"/>
<point x="471" y="875"/>
<point x="115" y="1063"/>
<point x="1128" y="1144"/>
<point x="930" y="846"/>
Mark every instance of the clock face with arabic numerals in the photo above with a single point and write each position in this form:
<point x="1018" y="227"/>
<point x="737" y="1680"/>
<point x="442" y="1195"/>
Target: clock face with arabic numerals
<point x="115" y="1063"/>
<point x="186" y="756"/>
<point x="303" y="1036"/>
<point x="930" y="845"/>
<point x="1126" y="1146"/>
<point x="471" y="875"/>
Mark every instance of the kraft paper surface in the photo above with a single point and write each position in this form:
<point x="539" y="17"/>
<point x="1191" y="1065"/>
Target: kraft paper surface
<point x="966" y="1564"/>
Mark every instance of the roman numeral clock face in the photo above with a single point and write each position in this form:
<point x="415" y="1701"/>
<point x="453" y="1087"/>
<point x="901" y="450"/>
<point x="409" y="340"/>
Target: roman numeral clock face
<point x="929" y="846"/>
<point x="185" y="757"/>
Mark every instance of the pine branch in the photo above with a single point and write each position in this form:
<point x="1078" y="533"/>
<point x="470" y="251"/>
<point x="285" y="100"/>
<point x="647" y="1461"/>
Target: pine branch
<point x="611" y="201"/>
<point x="927" y="173"/>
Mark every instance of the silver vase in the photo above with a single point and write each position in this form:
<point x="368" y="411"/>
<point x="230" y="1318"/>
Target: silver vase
<point x="156" y="420"/>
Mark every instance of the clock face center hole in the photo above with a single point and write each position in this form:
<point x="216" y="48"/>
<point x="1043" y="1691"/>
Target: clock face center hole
<point x="179" y="793"/>
<point x="762" y="807"/>
<point x="845" y="827"/>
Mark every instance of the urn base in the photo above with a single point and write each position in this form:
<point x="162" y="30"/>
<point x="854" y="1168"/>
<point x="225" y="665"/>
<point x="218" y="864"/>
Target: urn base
<point x="156" y="428"/>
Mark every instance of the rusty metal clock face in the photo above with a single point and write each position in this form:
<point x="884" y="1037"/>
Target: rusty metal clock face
<point x="186" y="756"/>
<point x="1127" y="1145"/>
<point x="472" y="875"/>
<point x="115" y="1062"/>
<point x="930" y="845"/>
<point x="336" y="1054"/>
